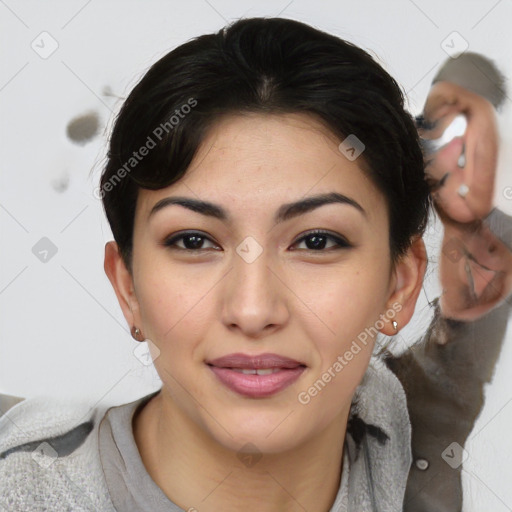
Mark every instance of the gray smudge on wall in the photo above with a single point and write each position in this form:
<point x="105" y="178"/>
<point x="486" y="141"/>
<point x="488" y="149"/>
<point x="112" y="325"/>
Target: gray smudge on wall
<point x="83" y="128"/>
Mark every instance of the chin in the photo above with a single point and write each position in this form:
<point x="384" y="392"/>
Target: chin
<point x="264" y="435"/>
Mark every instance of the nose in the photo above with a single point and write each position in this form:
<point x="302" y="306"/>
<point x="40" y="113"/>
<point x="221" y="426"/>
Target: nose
<point x="254" y="297"/>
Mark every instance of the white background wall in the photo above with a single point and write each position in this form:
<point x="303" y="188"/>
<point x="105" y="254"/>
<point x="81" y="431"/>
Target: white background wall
<point x="62" y="332"/>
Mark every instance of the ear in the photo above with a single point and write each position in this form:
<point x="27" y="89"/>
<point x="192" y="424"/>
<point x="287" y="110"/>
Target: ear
<point x="406" y="285"/>
<point x="122" y="282"/>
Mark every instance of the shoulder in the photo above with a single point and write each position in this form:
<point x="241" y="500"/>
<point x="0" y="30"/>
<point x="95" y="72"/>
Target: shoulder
<point x="381" y="398"/>
<point x="49" y="456"/>
<point x="63" y="424"/>
<point x="379" y="427"/>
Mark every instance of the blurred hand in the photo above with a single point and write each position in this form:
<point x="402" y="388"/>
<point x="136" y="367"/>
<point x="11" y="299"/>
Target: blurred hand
<point x="479" y="143"/>
<point x="475" y="266"/>
<point x="475" y="272"/>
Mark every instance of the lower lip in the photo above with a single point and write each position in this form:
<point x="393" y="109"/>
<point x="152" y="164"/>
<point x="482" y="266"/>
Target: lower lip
<point x="257" y="386"/>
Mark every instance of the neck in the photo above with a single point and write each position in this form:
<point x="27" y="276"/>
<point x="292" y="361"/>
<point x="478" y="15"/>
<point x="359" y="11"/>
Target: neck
<point x="197" y="473"/>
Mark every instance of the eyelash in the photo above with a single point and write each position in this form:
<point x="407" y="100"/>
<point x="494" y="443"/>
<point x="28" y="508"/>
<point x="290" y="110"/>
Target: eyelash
<point x="340" y="242"/>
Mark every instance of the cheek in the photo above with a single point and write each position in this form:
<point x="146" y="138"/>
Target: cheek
<point x="342" y="333"/>
<point x="173" y="300"/>
<point x="341" y="304"/>
<point x="342" y="330"/>
<point x="175" y="322"/>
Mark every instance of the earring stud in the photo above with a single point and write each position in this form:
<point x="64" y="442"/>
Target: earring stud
<point x="137" y="334"/>
<point x="395" y="325"/>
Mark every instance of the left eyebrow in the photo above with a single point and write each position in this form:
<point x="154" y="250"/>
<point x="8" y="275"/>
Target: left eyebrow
<point x="285" y="212"/>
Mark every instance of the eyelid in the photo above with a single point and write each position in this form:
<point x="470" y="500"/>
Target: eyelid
<point x="170" y="241"/>
<point x="340" y="241"/>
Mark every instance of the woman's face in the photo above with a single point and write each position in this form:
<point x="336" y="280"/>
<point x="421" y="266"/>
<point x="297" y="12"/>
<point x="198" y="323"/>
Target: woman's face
<point x="250" y="284"/>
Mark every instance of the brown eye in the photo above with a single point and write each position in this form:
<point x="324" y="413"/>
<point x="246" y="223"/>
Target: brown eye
<point x="192" y="241"/>
<point x="317" y="240"/>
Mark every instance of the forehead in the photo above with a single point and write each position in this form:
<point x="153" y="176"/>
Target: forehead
<point x="253" y="159"/>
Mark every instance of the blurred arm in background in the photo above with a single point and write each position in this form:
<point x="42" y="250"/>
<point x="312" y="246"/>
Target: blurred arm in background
<point x="444" y="372"/>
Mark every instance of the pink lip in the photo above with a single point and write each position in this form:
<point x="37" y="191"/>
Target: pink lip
<point x="240" y="360"/>
<point x="256" y="386"/>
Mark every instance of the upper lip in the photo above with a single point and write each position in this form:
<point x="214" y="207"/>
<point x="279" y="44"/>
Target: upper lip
<point x="240" y="360"/>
